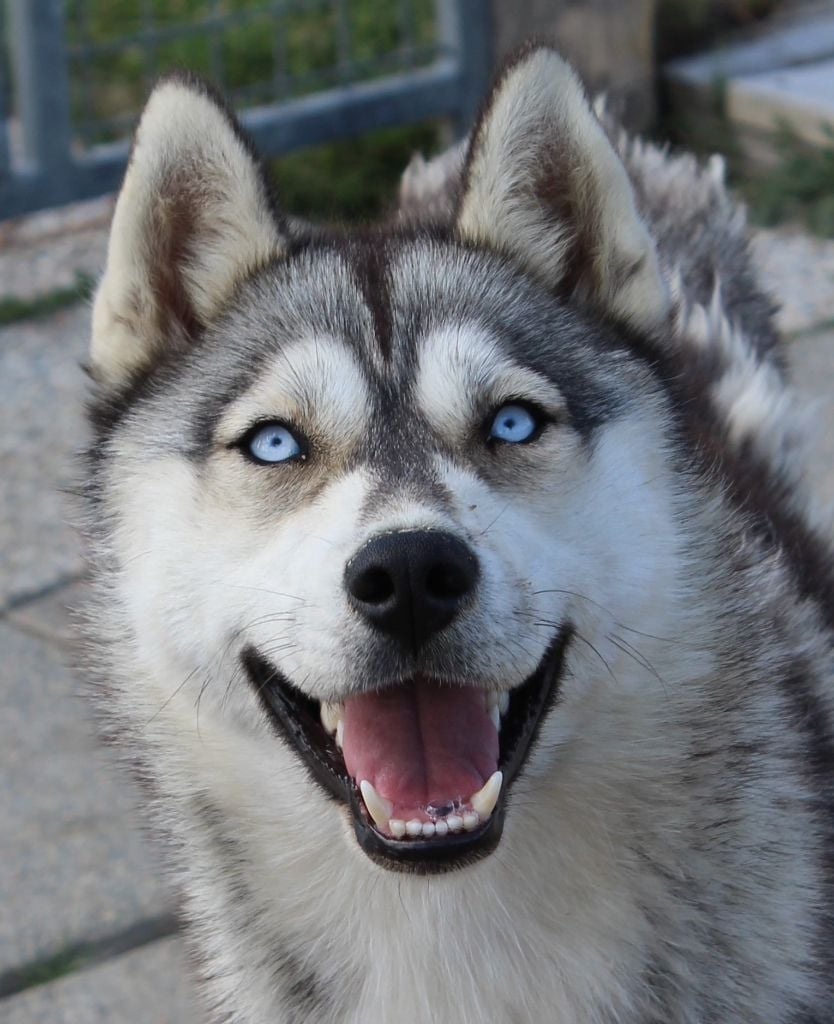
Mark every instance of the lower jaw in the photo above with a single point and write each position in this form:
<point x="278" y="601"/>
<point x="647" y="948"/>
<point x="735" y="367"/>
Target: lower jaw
<point x="294" y="718"/>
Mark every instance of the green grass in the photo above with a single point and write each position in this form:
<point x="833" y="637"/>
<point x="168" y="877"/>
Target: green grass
<point x="42" y="973"/>
<point x="799" y="188"/>
<point x="353" y="181"/>
<point x="14" y="309"/>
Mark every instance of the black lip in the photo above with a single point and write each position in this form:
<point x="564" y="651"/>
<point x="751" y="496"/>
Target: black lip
<point x="295" y="718"/>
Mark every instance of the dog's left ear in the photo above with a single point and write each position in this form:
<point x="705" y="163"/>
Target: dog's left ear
<point x="543" y="184"/>
<point x="192" y="220"/>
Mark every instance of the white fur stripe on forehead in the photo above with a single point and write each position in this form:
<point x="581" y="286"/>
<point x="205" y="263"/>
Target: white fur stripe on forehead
<point x="461" y="367"/>
<point x="192" y="219"/>
<point x="543" y="184"/>
<point x="315" y="383"/>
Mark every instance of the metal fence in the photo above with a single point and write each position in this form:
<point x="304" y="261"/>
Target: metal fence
<point x="73" y="74"/>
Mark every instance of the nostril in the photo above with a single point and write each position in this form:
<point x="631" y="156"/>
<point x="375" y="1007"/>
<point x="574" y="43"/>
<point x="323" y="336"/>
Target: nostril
<point x="445" y="581"/>
<point x="373" y="586"/>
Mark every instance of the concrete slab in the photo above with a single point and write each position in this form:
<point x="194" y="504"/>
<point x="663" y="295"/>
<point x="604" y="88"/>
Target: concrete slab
<point x="74" y="868"/>
<point x="812" y="365"/>
<point x="798" y="271"/>
<point x="41" y="389"/>
<point x="148" y="986"/>
<point x="801" y="98"/>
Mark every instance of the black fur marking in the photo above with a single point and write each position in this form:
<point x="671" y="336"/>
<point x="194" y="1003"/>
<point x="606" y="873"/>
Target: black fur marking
<point x="370" y="266"/>
<point x="301" y="987"/>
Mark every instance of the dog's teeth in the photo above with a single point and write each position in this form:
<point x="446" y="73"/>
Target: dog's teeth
<point x="340" y="733"/>
<point x="428" y="829"/>
<point x="441" y="828"/>
<point x="485" y="799"/>
<point x="330" y="715"/>
<point x="397" y="826"/>
<point x="501" y="701"/>
<point x="414" y="827"/>
<point x="495" y="715"/>
<point x="455" y="822"/>
<point x="378" y="807"/>
<point x="470" y="821"/>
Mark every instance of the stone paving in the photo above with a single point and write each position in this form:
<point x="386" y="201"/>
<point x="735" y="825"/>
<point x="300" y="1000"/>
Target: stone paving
<point x="87" y="925"/>
<point x="87" y="932"/>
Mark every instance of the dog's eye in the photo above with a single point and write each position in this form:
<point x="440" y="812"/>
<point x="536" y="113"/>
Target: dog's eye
<point x="514" y="424"/>
<point x="273" y="442"/>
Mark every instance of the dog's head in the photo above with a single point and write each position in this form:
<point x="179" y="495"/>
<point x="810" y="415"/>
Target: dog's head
<point x="368" y="492"/>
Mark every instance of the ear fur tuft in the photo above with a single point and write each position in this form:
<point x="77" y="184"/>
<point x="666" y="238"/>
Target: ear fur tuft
<point x="193" y="218"/>
<point x="543" y="184"/>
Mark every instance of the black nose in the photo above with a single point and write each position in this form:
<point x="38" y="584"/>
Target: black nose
<point x="411" y="584"/>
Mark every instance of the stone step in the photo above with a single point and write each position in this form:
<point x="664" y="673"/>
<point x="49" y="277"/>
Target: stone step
<point x="779" y="45"/>
<point x="783" y="79"/>
<point x="802" y="98"/>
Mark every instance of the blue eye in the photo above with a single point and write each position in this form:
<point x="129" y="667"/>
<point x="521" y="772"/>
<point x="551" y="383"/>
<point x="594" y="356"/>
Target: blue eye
<point x="273" y="443"/>
<point x="513" y="424"/>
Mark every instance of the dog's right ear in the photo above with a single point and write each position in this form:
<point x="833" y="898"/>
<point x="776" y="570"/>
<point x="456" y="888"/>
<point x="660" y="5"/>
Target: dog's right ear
<point x="193" y="218"/>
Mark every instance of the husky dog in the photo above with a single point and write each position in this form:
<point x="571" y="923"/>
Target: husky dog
<point x="455" y="588"/>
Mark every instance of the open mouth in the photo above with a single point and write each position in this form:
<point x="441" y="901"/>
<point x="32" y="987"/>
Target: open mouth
<point x="424" y="766"/>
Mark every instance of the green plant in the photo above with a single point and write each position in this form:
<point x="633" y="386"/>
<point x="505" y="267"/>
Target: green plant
<point x="352" y="180"/>
<point x="799" y="187"/>
<point x="13" y="309"/>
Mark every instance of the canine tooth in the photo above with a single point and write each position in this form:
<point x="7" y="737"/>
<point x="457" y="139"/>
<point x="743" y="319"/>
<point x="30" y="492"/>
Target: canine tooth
<point x="486" y="798"/>
<point x="340" y="733"/>
<point x="440" y="828"/>
<point x="470" y="821"/>
<point x="397" y="826"/>
<point x="414" y="827"/>
<point x="504" y="702"/>
<point x="428" y="829"/>
<point x="455" y="822"/>
<point x="378" y="807"/>
<point x="495" y="715"/>
<point x="330" y="715"/>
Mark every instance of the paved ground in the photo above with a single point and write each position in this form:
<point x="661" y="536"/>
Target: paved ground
<point x="86" y="927"/>
<point x="87" y="933"/>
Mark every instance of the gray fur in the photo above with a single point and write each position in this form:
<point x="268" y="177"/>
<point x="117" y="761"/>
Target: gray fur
<point x="668" y="856"/>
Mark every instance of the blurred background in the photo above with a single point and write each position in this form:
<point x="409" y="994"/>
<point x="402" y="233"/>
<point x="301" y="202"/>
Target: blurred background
<point x="338" y="94"/>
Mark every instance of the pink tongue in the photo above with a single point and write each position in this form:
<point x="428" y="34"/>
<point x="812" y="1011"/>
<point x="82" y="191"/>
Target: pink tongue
<point x="420" y="743"/>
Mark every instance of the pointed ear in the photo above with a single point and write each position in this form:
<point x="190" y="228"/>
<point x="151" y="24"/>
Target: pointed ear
<point x="193" y="218"/>
<point x="543" y="184"/>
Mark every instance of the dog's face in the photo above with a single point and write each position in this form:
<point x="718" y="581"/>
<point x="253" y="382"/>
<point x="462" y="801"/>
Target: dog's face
<point x="366" y="493"/>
